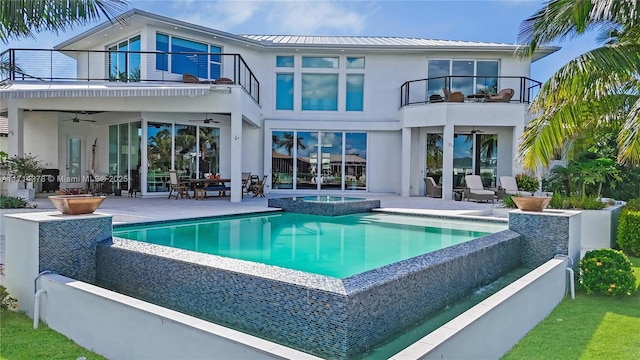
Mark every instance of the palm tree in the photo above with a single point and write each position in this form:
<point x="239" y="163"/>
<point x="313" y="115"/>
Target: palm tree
<point x="25" y="18"/>
<point x="593" y="90"/>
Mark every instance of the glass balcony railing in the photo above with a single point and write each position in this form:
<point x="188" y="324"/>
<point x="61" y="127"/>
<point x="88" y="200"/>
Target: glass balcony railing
<point x="131" y="67"/>
<point x="508" y="89"/>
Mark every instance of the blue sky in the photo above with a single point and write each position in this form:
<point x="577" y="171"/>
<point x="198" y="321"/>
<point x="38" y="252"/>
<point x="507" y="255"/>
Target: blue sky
<point x="472" y="20"/>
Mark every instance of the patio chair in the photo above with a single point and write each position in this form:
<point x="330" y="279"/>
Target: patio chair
<point x="258" y="189"/>
<point x="246" y="182"/>
<point x="431" y="188"/>
<point x="180" y="188"/>
<point x="455" y="96"/>
<point x="510" y="186"/>
<point x="476" y="191"/>
<point x="223" y="81"/>
<point x="503" y="95"/>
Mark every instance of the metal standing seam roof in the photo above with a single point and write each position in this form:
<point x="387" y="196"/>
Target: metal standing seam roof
<point x="370" y="41"/>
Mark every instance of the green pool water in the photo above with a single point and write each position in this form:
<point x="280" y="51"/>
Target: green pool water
<point x="333" y="246"/>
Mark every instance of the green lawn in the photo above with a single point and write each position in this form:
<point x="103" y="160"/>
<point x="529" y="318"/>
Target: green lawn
<point x="18" y="340"/>
<point x="589" y="327"/>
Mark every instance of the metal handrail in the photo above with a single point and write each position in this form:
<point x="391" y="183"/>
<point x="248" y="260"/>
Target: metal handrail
<point x="428" y="90"/>
<point x="100" y="66"/>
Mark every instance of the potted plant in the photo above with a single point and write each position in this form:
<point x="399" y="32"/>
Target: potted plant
<point x="25" y="169"/>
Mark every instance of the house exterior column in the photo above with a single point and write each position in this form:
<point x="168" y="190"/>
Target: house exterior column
<point x="447" y="162"/>
<point x="405" y="183"/>
<point x="516" y="167"/>
<point x="236" y="148"/>
<point x="15" y="141"/>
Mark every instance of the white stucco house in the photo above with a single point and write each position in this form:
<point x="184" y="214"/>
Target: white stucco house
<point x="133" y="100"/>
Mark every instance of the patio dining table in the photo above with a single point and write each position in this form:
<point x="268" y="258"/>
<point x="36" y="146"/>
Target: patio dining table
<point x="207" y="184"/>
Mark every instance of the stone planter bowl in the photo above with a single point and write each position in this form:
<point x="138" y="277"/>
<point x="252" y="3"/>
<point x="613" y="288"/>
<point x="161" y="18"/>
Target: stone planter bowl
<point x="76" y="204"/>
<point x="531" y="203"/>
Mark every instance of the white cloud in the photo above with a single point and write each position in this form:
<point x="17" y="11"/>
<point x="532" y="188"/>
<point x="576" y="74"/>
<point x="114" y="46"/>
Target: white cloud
<point x="317" y="17"/>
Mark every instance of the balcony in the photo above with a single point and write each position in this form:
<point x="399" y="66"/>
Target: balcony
<point x="127" y="68"/>
<point x="474" y="89"/>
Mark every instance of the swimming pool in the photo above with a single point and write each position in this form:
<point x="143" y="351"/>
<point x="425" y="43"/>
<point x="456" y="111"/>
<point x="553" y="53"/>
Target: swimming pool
<point x="332" y="317"/>
<point x="332" y="246"/>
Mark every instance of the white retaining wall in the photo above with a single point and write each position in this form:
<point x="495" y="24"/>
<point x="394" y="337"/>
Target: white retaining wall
<point x="120" y="327"/>
<point x="491" y="328"/>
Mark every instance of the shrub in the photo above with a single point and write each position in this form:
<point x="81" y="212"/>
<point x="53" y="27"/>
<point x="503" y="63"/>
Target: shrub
<point x="6" y="301"/>
<point x="607" y="272"/>
<point x="12" y="202"/>
<point x="633" y="204"/>
<point x="526" y="182"/>
<point x="629" y="231"/>
<point x="508" y="202"/>
<point x="559" y="201"/>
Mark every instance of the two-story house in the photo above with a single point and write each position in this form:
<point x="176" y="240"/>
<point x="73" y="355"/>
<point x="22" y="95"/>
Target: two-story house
<point x="322" y="114"/>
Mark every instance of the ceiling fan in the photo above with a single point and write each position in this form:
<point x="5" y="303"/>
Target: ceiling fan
<point x="76" y="119"/>
<point x="207" y="120"/>
<point x="473" y="131"/>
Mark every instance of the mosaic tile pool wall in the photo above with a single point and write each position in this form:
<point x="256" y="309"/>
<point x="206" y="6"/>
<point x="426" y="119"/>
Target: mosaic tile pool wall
<point x="68" y="247"/>
<point x="334" y="208"/>
<point x="334" y="318"/>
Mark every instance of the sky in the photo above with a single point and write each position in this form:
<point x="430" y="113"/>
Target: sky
<point x="471" y="20"/>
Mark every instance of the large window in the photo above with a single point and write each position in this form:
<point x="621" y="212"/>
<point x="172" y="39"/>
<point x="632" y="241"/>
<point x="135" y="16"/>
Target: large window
<point x="159" y="138"/>
<point x="325" y="83"/>
<point x="355" y="92"/>
<point x="284" y="91"/>
<point x="468" y="76"/>
<point x="324" y="160"/>
<point x="125" y="65"/>
<point x="199" y="59"/>
<point x="124" y="154"/>
<point x="475" y="154"/>
<point x="320" y="92"/>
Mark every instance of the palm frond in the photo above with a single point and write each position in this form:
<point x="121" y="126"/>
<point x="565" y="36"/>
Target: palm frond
<point x="629" y="137"/>
<point x="25" y="18"/>
<point x="566" y="19"/>
<point x="553" y="131"/>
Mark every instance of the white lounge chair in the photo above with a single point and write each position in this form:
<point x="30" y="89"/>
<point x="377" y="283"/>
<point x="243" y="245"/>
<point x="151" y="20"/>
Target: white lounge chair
<point x="510" y="186"/>
<point x="476" y="191"/>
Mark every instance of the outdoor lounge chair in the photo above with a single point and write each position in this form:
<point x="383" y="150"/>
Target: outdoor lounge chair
<point x="476" y="191"/>
<point x="431" y="188"/>
<point x="180" y="188"/>
<point x="503" y="95"/>
<point x="510" y="186"/>
<point x="456" y="96"/>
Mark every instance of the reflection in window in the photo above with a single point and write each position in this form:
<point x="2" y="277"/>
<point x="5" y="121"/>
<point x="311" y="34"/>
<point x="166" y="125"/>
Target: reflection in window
<point x="284" y="92"/>
<point x="355" y="89"/>
<point x="319" y="62"/>
<point x="320" y="92"/>
<point x="194" y="64"/>
<point x="487" y="158"/>
<point x="331" y="153"/>
<point x="124" y="65"/>
<point x="306" y="160"/>
<point x="462" y="158"/>
<point x="162" y="46"/>
<point x="215" y="62"/>
<point x="284" y="61"/>
<point x="355" y="161"/>
<point x="487" y="72"/>
<point x="209" y="151"/>
<point x="185" y="151"/>
<point x="355" y="63"/>
<point x="436" y="69"/>
<point x="434" y="156"/>
<point x="158" y="156"/>
<point x="462" y="80"/>
<point x="282" y="159"/>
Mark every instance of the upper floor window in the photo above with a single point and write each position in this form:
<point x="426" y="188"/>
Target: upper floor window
<point x="320" y="92"/>
<point x="355" y="92"/>
<point x="284" y="61"/>
<point x="355" y="63"/>
<point x="124" y="60"/>
<point x="468" y="76"/>
<point x="188" y="57"/>
<point x="284" y="91"/>
<point x="320" y="62"/>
